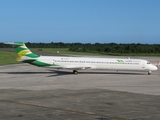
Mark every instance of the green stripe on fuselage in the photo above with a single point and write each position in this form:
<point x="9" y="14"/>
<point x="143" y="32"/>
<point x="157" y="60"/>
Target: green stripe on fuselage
<point x="42" y="64"/>
<point x="32" y="55"/>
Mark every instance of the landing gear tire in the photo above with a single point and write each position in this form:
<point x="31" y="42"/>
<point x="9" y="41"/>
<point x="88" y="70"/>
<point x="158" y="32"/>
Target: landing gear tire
<point x="75" y="72"/>
<point x="149" y="72"/>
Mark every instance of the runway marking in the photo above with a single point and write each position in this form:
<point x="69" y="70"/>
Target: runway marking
<point x="65" y="110"/>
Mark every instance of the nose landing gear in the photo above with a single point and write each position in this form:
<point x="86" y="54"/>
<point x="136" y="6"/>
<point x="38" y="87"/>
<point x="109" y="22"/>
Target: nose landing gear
<point x="149" y="72"/>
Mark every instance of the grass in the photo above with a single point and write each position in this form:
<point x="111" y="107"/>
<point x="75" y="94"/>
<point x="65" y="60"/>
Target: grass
<point x="133" y="54"/>
<point x="7" y="57"/>
<point x="64" y="51"/>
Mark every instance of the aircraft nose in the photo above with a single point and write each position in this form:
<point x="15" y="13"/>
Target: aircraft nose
<point x="154" y="67"/>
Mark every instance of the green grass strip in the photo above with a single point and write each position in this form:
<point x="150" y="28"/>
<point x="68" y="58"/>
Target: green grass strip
<point x="8" y="57"/>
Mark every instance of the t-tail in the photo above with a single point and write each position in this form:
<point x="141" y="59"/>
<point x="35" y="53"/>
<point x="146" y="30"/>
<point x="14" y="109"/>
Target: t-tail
<point x="24" y="54"/>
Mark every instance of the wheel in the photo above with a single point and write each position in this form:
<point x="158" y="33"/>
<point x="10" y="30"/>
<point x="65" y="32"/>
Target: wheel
<point x="75" y="72"/>
<point x="149" y="72"/>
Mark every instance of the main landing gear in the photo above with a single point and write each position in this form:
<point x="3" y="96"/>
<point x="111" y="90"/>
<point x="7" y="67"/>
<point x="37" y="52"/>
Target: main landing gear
<point x="149" y="72"/>
<point x="75" y="72"/>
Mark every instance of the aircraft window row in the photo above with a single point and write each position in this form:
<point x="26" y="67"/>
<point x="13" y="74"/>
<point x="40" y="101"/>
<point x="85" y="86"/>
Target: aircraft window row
<point x="98" y="62"/>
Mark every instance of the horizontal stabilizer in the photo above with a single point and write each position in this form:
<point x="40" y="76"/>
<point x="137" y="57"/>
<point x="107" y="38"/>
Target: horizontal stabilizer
<point x="14" y="43"/>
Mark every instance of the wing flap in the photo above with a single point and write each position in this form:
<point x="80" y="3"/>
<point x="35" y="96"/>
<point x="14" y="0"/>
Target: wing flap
<point x="71" y="67"/>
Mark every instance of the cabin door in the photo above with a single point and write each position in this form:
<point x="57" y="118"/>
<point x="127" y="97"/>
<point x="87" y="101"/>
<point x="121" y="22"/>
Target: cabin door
<point x="53" y="61"/>
<point x="143" y="65"/>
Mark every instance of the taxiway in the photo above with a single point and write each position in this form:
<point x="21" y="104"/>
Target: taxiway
<point x="30" y="92"/>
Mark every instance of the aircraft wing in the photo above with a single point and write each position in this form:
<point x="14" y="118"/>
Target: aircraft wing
<point x="72" y="67"/>
<point x="77" y="68"/>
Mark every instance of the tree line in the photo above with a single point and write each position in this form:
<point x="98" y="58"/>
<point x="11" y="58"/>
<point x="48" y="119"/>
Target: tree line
<point x="97" y="47"/>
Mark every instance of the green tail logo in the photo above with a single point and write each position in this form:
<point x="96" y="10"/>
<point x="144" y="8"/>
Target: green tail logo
<point x="22" y="50"/>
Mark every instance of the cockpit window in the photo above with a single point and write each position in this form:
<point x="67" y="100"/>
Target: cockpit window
<point x="148" y="62"/>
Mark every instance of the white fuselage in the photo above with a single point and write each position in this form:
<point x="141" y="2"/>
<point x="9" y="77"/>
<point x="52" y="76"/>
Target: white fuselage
<point x="76" y="63"/>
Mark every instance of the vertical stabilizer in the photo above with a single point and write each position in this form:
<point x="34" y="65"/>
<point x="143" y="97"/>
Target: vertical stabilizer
<point x="23" y="52"/>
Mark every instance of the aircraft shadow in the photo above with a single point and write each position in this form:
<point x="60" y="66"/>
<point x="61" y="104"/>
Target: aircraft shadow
<point x="62" y="73"/>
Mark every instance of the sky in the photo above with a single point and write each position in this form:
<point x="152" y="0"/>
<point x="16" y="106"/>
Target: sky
<point x="84" y="21"/>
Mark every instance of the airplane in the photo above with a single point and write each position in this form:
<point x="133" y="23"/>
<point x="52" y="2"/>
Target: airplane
<point x="80" y="63"/>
